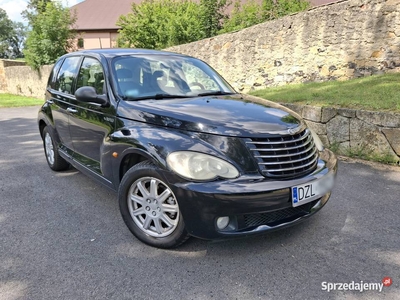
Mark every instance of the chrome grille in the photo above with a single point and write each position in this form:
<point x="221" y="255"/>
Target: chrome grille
<point x="285" y="156"/>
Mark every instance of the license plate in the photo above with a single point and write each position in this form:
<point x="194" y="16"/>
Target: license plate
<point x="307" y="192"/>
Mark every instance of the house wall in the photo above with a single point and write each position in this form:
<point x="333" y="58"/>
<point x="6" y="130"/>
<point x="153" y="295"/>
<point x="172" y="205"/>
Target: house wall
<point x="99" y="39"/>
<point x="338" y="41"/>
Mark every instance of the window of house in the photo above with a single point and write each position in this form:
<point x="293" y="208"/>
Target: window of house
<point x="66" y="75"/>
<point x="81" y="43"/>
<point x="91" y="74"/>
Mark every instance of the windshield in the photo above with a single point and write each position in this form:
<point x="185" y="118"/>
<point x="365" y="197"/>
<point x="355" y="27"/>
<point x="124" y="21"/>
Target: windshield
<point x="165" y="76"/>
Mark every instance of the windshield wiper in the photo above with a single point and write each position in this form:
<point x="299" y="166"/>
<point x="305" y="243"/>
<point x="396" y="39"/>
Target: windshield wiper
<point x="156" y="97"/>
<point x="215" y="93"/>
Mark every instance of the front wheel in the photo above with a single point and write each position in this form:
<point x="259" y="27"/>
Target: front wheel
<point x="150" y="208"/>
<point x="54" y="160"/>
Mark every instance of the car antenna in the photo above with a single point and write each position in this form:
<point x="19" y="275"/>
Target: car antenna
<point x="101" y="47"/>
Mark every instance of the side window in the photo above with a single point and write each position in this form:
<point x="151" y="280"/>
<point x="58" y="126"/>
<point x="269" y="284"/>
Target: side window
<point x="91" y="74"/>
<point x="65" y="77"/>
<point x="53" y="75"/>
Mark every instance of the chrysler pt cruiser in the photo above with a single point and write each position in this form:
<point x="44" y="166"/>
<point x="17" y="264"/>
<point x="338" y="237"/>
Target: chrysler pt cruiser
<point x="187" y="154"/>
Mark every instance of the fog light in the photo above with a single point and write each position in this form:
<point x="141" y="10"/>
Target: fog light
<point x="222" y="222"/>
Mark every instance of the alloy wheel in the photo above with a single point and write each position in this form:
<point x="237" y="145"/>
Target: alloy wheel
<point x="153" y="207"/>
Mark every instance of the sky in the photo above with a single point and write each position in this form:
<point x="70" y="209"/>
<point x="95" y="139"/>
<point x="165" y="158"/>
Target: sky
<point x="15" y="7"/>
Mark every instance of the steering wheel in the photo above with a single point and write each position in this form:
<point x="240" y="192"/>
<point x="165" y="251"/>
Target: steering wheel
<point x="196" y="84"/>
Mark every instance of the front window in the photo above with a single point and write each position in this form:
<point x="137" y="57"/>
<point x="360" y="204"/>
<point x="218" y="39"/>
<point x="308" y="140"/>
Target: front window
<point x="91" y="74"/>
<point x="152" y="76"/>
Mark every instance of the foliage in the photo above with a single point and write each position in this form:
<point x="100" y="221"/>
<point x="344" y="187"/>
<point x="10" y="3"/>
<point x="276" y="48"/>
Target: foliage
<point x="157" y="24"/>
<point x="51" y="35"/>
<point x="12" y="36"/>
<point x="243" y="15"/>
<point x="34" y="8"/>
<point x="254" y="12"/>
<point x="211" y="16"/>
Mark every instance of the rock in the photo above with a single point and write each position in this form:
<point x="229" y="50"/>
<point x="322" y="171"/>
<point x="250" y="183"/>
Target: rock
<point x="369" y="139"/>
<point x="346" y="112"/>
<point x="338" y="130"/>
<point x="295" y="107"/>
<point x="384" y="119"/>
<point x="312" y="113"/>
<point x="318" y="128"/>
<point x="324" y="139"/>
<point x="327" y="114"/>
<point x="343" y="148"/>
<point x="393" y="137"/>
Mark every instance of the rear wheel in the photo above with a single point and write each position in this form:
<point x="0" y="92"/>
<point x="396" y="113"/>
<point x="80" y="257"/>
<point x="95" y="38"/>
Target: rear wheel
<point x="54" y="160"/>
<point x="150" y="208"/>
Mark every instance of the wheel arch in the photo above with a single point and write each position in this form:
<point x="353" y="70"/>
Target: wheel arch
<point x="132" y="157"/>
<point x="42" y="125"/>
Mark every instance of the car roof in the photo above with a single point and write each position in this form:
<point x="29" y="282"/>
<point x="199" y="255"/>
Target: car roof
<point x="113" y="52"/>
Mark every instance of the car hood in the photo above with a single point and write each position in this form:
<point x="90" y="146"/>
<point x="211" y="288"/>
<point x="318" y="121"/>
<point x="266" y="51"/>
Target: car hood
<point x="233" y="115"/>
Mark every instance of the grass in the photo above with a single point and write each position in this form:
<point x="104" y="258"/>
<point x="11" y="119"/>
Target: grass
<point x="379" y="93"/>
<point x="9" y="100"/>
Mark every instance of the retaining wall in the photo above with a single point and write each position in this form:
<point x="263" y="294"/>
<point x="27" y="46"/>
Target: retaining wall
<point x="350" y="131"/>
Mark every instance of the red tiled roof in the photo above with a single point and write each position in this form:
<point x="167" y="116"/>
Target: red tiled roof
<point x="100" y="14"/>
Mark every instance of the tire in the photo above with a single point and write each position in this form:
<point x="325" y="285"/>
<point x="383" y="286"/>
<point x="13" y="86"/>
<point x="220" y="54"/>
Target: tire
<point x="53" y="158"/>
<point x="150" y="208"/>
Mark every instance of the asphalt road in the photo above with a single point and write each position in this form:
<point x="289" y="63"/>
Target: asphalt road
<point x="62" y="237"/>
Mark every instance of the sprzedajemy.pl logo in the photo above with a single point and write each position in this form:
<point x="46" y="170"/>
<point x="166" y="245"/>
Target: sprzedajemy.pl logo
<point x="356" y="286"/>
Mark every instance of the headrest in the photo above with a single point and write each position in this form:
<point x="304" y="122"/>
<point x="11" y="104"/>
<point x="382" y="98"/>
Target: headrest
<point x="124" y="73"/>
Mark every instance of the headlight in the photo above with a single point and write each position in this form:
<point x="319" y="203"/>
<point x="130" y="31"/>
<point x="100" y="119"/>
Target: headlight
<point x="317" y="140"/>
<point x="200" y="166"/>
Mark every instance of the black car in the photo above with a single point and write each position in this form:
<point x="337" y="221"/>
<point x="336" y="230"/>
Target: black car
<point x="187" y="154"/>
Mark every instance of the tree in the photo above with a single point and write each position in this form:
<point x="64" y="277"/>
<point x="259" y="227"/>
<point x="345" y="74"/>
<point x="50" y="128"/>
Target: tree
<point x="6" y="29"/>
<point x="34" y="8"/>
<point x="243" y="15"/>
<point x="51" y="35"/>
<point x="212" y="16"/>
<point x="12" y="36"/>
<point x="157" y="24"/>
<point x="17" y="40"/>
<point x="252" y="12"/>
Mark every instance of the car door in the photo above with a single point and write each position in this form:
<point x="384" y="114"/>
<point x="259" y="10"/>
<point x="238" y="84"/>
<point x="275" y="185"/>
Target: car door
<point x="91" y="124"/>
<point x="59" y="97"/>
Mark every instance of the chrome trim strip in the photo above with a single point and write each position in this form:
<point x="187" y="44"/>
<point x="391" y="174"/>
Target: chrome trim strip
<point x="289" y="161"/>
<point x="306" y="134"/>
<point x="286" y="155"/>
<point x="293" y="168"/>
<point x="281" y="149"/>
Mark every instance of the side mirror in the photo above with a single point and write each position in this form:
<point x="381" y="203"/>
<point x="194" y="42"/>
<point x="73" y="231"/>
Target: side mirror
<point x="88" y="94"/>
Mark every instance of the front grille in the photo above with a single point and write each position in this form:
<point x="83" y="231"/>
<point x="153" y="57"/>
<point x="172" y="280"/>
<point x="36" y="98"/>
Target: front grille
<point x="285" y="156"/>
<point x="270" y="218"/>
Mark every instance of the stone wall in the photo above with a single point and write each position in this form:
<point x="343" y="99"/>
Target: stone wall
<point x="338" y="41"/>
<point x="360" y="132"/>
<point x="4" y="63"/>
<point x="20" y="79"/>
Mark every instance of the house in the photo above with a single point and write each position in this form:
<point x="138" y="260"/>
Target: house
<point x="96" y="21"/>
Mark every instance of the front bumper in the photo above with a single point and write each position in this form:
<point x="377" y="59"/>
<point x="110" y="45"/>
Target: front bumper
<point x="254" y="204"/>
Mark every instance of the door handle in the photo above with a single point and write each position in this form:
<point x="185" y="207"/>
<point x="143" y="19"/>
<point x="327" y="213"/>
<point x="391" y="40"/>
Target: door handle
<point x="71" y="110"/>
